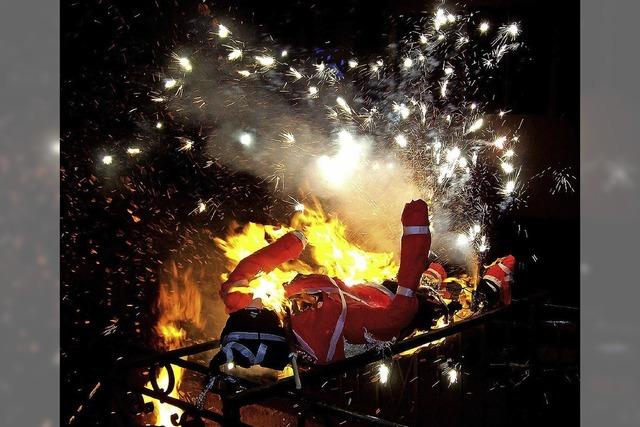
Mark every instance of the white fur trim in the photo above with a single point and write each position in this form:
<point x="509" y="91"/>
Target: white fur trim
<point x="300" y="237"/>
<point x="405" y="292"/>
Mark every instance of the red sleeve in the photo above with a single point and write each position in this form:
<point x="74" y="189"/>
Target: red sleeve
<point x="416" y="242"/>
<point x="286" y="248"/>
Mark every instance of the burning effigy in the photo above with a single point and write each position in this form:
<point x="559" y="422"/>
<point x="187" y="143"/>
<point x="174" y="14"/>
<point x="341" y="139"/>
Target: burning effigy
<point x="401" y="164"/>
<point x="284" y="310"/>
<point x="322" y="313"/>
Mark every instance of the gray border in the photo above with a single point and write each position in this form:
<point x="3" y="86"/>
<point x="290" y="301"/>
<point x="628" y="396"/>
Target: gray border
<point x="609" y="213"/>
<point x="29" y="212"/>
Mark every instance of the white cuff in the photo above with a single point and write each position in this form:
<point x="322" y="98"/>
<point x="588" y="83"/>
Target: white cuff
<point x="415" y="229"/>
<point x="404" y="292"/>
<point x="300" y="237"/>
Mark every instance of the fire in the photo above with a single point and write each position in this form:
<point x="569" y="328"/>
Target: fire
<point x="179" y="303"/>
<point x="336" y="256"/>
<point x="332" y="253"/>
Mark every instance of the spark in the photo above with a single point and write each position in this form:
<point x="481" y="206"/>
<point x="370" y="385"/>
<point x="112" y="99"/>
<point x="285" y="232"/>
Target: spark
<point x="462" y="41"/>
<point x="265" y="60"/>
<point x="441" y="18"/>
<point x="158" y="99"/>
<point x="202" y="206"/>
<point x="313" y="91"/>
<point x="245" y="139"/>
<point x="187" y="144"/>
<point x="353" y="63"/>
<point x="453" y="155"/>
<point x="133" y="151"/>
<point x="499" y="142"/>
<point x="288" y="138"/>
<point x="284" y="53"/>
<point x="448" y="71"/>
<point x="230" y="366"/>
<point x="223" y="31"/>
<point x="297" y="75"/>
<point x="509" y="153"/>
<point x="443" y="92"/>
<point x="513" y="30"/>
<point x="473" y="106"/>
<point x="343" y="104"/>
<point x="299" y="207"/>
<point x="159" y="125"/>
<point x="107" y="159"/>
<point x="407" y="63"/>
<point x="401" y="140"/>
<point x="501" y="113"/>
<point x="507" y="167"/>
<point x="170" y="83"/>
<point x="244" y="73"/>
<point x="234" y="54"/>
<point x="476" y="125"/>
<point x="509" y="187"/>
<point x="483" y="244"/>
<point x="320" y="67"/>
<point x="383" y="373"/>
<point x="423" y="39"/>
<point x="402" y="110"/>
<point x="484" y="27"/>
<point x="452" y="375"/>
<point x="564" y="181"/>
<point x="185" y="63"/>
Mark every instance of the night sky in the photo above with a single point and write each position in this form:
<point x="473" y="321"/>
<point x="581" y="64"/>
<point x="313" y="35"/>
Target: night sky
<point x="120" y="225"/>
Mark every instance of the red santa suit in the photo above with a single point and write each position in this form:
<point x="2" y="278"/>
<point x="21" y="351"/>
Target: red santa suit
<point x="499" y="276"/>
<point x="342" y="312"/>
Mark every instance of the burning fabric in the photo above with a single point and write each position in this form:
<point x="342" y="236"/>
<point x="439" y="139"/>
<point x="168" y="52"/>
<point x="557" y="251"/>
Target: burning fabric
<point x="314" y="314"/>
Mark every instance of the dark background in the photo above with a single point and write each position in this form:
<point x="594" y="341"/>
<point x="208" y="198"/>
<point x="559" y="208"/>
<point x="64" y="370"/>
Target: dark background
<point x="110" y="52"/>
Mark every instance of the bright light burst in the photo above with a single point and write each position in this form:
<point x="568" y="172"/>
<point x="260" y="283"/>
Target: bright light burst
<point x="223" y="32"/>
<point x="185" y="63"/>
<point x="107" y="159"/>
<point x="245" y="139"/>
<point x="383" y="373"/>
<point x="265" y="60"/>
<point x="235" y="54"/>
<point x="475" y="126"/>
<point x="401" y="140"/>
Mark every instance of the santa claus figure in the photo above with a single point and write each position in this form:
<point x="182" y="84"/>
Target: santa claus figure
<point x="323" y="313"/>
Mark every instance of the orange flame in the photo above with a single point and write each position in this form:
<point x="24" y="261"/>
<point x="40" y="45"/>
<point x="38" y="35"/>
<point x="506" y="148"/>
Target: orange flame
<point x="179" y="303"/>
<point x="331" y="251"/>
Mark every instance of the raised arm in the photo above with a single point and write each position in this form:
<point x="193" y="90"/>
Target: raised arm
<point x="386" y="323"/>
<point x="236" y="292"/>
